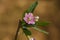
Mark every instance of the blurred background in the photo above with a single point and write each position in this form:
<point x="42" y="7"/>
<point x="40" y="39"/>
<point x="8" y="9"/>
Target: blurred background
<point x="11" y="11"/>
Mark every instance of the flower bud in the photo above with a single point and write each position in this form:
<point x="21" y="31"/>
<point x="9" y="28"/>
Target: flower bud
<point x="31" y="38"/>
<point x="36" y="18"/>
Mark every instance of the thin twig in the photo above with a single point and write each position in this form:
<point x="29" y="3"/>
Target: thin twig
<point x="19" y="25"/>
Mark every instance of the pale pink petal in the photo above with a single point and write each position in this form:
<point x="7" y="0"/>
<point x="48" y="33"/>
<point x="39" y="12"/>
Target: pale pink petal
<point x="32" y="22"/>
<point x="25" y="18"/>
<point x="30" y="14"/>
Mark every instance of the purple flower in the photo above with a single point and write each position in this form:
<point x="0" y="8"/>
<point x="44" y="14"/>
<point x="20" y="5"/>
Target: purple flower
<point x="29" y="18"/>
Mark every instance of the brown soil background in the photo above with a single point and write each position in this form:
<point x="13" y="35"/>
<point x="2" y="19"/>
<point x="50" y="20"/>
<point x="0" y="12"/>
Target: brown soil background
<point x="11" y="11"/>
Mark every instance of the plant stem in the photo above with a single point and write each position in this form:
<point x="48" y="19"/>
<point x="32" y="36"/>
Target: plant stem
<point x="19" y="26"/>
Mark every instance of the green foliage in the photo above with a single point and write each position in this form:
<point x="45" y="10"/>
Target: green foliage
<point x="32" y="7"/>
<point x="42" y="23"/>
<point x="40" y="30"/>
<point x="26" y="31"/>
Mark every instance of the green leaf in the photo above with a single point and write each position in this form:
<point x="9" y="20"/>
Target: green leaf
<point x="40" y="30"/>
<point x="23" y="23"/>
<point x="26" y="31"/>
<point x="31" y="8"/>
<point x="42" y="23"/>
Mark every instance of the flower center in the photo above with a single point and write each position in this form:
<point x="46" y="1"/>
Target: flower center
<point x="29" y="19"/>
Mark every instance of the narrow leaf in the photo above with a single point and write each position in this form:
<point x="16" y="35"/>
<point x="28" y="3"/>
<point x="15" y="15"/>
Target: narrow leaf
<point x="40" y="30"/>
<point x="32" y="7"/>
<point x="26" y="31"/>
<point x="42" y="23"/>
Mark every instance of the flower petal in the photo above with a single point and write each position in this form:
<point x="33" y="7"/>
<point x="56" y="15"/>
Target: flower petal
<point x="30" y="14"/>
